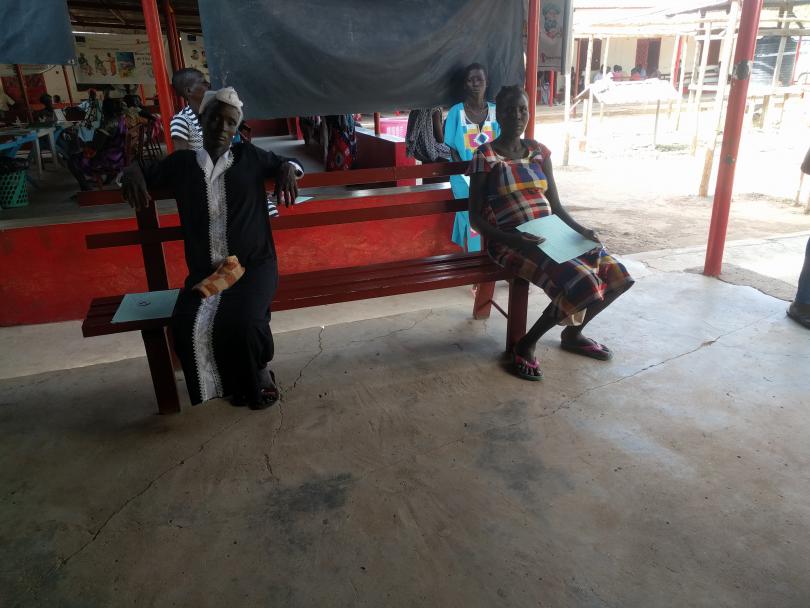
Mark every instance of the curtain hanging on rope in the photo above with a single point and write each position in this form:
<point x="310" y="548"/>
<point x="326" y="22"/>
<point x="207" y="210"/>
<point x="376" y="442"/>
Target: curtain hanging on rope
<point x="302" y="57"/>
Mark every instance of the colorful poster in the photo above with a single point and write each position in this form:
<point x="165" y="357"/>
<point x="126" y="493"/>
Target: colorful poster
<point x="113" y="59"/>
<point x="194" y="52"/>
<point x="552" y="20"/>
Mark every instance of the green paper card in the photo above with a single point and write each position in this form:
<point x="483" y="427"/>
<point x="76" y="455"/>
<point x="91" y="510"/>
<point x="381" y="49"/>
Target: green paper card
<point x="562" y="242"/>
<point x="143" y="306"/>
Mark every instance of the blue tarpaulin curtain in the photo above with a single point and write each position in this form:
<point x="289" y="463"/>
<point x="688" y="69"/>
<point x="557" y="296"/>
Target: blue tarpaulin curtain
<point x="35" y="31"/>
<point x="301" y="57"/>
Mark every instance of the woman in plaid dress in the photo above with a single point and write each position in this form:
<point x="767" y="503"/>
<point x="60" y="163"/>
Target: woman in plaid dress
<point x="512" y="183"/>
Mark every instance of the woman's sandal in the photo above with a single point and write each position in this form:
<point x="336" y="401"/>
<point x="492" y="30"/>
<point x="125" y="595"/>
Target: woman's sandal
<point x="269" y="394"/>
<point x="594" y="350"/>
<point x="525" y="369"/>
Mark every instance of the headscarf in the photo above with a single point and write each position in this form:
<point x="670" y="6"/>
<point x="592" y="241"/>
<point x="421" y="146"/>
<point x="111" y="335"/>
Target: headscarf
<point x="226" y="95"/>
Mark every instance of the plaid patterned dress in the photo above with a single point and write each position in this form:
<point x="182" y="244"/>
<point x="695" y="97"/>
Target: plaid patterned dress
<point x="514" y="195"/>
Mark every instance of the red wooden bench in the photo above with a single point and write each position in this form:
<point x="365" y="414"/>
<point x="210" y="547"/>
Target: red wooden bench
<point x="327" y="286"/>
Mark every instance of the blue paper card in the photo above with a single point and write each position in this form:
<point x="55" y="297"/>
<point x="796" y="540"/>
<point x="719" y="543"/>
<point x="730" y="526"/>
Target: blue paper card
<point x="143" y="306"/>
<point x="562" y="242"/>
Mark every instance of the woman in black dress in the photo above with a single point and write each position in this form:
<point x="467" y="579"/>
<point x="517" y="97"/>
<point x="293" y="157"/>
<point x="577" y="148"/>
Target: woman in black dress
<point x="223" y="340"/>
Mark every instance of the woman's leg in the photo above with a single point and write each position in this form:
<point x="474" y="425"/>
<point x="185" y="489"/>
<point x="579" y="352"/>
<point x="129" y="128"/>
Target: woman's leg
<point x="573" y="334"/>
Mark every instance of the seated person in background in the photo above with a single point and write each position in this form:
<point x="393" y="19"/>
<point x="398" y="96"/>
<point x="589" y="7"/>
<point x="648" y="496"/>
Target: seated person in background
<point x="617" y="73"/>
<point x="221" y="322"/>
<point x="635" y="74"/>
<point x="185" y="126"/>
<point x="92" y="116"/>
<point x="104" y="157"/>
<point x="512" y="183"/>
<point x="341" y="150"/>
<point x="424" y="139"/>
<point x="469" y="124"/>
<point x="47" y="114"/>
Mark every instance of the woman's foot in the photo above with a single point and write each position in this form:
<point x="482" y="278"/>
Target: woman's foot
<point x="800" y="313"/>
<point x="573" y="341"/>
<point x="524" y="363"/>
<point x="527" y="369"/>
<point x="269" y="393"/>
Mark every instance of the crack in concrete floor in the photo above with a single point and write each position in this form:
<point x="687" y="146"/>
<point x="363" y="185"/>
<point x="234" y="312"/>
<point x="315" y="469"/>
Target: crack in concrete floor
<point x="566" y="404"/>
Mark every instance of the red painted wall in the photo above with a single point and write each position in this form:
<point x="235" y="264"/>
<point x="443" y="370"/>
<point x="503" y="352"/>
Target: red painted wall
<point x="55" y="276"/>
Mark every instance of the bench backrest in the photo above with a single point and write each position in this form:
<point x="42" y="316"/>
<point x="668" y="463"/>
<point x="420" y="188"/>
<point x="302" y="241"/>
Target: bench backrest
<point x="357" y="206"/>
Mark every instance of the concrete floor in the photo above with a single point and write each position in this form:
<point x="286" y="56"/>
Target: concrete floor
<point x="404" y="467"/>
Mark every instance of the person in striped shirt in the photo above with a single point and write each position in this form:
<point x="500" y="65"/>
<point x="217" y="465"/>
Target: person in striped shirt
<point x="185" y="126"/>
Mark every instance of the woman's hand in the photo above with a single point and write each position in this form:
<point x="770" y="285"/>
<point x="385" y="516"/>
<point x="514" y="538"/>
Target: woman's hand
<point x="590" y="234"/>
<point x="286" y="186"/>
<point x="133" y="186"/>
<point x="523" y="241"/>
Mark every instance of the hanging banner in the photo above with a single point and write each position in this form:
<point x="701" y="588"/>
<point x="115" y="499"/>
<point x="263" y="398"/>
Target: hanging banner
<point x="293" y="58"/>
<point x="194" y="52"/>
<point x="552" y="35"/>
<point x="35" y="31"/>
<point x="113" y="59"/>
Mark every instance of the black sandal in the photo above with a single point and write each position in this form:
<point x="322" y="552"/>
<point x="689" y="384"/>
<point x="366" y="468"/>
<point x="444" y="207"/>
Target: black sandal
<point x="269" y="393"/>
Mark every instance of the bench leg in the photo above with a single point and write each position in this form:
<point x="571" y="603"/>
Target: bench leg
<point x="483" y="300"/>
<point x="518" y="309"/>
<point x="160" y="366"/>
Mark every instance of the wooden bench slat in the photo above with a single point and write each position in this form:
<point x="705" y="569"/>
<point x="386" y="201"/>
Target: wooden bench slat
<point x="303" y="220"/>
<point x="334" y="285"/>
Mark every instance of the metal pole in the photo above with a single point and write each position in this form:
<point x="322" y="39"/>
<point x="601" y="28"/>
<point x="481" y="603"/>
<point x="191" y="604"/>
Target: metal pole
<point x="531" y="63"/>
<point x="567" y="119"/>
<point x="552" y="87"/>
<point x="681" y="83"/>
<point x="704" y="60"/>
<point x="605" y="57"/>
<point x="720" y="97"/>
<point x="735" y="115"/>
<point x="676" y="51"/>
<point x="796" y="60"/>
<point x="67" y="84"/>
<point x="24" y="92"/>
<point x="376" y="123"/>
<point x="171" y="34"/>
<point x="583" y="145"/>
<point x="781" y="53"/>
<point x="151" y="19"/>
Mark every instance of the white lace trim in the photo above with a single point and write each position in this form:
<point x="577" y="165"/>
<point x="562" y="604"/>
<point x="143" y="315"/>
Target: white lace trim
<point x="207" y="371"/>
<point x="217" y="203"/>
<point x="203" y="337"/>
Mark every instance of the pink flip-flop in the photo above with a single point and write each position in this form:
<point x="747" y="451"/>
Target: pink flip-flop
<point x="594" y="350"/>
<point x="519" y="364"/>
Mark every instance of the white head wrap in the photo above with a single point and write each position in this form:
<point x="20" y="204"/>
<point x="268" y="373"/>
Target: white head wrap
<point x="226" y="95"/>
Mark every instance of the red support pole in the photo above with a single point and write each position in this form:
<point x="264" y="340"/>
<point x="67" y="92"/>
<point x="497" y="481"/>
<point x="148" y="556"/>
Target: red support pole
<point x="67" y="84"/>
<point x="677" y="71"/>
<point x="735" y="115"/>
<point x="175" y="54"/>
<point x="552" y="87"/>
<point x="796" y="60"/>
<point x="152" y="21"/>
<point x="24" y="92"/>
<point x="531" y="63"/>
<point x="376" y="123"/>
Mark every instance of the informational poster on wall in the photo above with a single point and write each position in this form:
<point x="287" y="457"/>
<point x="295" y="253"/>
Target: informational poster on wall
<point x="194" y="52"/>
<point x="113" y="59"/>
<point x="552" y="35"/>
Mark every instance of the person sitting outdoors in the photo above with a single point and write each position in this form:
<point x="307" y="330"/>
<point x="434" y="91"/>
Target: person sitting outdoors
<point x="221" y="320"/>
<point x="424" y="139"/>
<point x="47" y="114"/>
<point x="635" y="74"/>
<point x="186" y="132"/>
<point x="92" y="116"/>
<point x="799" y="309"/>
<point x="469" y="124"/>
<point x="511" y="183"/>
<point x="617" y="73"/>
<point x="103" y="158"/>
